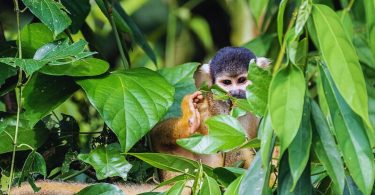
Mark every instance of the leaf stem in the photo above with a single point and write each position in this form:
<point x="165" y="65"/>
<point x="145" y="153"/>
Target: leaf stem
<point x="76" y="173"/>
<point x="19" y="103"/>
<point x="115" y="31"/>
<point x="280" y="56"/>
<point x="171" y="35"/>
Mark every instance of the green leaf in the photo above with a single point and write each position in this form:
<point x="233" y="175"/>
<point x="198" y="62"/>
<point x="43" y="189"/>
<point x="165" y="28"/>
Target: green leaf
<point x="201" y="28"/>
<point x="130" y="102"/>
<point x="234" y="187"/>
<point x="34" y="163"/>
<point x="255" y="180"/>
<point x="299" y="149"/>
<point x="6" y="72"/>
<point x="176" y="188"/>
<point x="257" y="92"/>
<point x="287" y="91"/>
<point x="257" y="9"/>
<point x="351" y="135"/>
<point x="325" y="148"/>
<point x="350" y="187"/>
<point x="78" y="11"/>
<point x="50" y="13"/>
<point x="33" y="137"/>
<point x="303" y="15"/>
<point x="369" y="12"/>
<point x="285" y="180"/>
<point x="28" y="65"/>
<point x="339" y="54"/>
<point x="280" y="20"/>
<point x="225" y="133"/>
<point x="266" y="136"/>
<point x="364" y="52"/>
<point x="209" y="186"/>
<point x="172" y="163"/>
<point x="261" y="44"/>
<point x="182" y="79"/>
<point x="226" y="175"/>
<point x="83" y="67"/>
<point x="101" y="188"/>
<point x="34" y="36"/>
<point x="44" y="93"/>
<point x="107" y="161"/>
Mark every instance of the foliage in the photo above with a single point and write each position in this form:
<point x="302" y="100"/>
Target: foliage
<point x="86" y="59"/>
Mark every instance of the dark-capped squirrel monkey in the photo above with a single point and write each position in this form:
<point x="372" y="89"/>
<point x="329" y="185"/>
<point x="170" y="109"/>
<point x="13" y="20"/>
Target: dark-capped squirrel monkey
<point x="228" y="69"/>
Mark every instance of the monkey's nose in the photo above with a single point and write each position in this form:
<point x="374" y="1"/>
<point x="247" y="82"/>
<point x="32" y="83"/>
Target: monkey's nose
<point x="238" y="93"/>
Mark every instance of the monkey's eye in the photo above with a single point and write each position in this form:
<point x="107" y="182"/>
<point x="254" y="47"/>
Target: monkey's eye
<point x="226" y="82"/>
<point x="242" y="80"/>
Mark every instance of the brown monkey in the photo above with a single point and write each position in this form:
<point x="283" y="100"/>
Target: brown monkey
<point x="228" y="69"/>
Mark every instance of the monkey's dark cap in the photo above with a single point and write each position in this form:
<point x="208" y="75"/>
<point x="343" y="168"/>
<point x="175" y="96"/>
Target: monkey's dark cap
<point x="231" y="60"/>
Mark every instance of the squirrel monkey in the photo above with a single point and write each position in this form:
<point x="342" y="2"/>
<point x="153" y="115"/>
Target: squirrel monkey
<point x="228" y="69"/>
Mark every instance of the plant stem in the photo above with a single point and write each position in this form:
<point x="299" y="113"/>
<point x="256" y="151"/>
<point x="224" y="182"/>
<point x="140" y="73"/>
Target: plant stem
<point x="171" y="35"/>
<point x="280" y="56"/>
<point x="118" y="41"/>
<point x="19" y="103"/>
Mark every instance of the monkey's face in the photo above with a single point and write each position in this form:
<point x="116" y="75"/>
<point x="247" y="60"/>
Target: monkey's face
<point x="234" y="85"/>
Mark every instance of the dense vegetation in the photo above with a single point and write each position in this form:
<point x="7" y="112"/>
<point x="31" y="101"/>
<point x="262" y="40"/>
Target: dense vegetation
<point x="82" y="83"/>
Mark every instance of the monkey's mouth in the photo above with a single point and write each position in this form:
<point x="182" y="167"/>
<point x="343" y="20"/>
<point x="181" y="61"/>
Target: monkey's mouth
<point x="240" y="94"/>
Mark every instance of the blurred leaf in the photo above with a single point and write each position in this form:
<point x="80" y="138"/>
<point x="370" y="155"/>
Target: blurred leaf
<point x="130" y="102"/>
<point x="346" y="22"/>
<point x="209" y="186"/>
<point x="234" y="187"/>
<point x="257" y="9"/>
<point x="120" y="23"/>
<point x="261" y="44"/>
<point x="172" y="163"/>
<point x="182" y="79"/>
<point x="50" y="13"/>
<point x="287" y="91"/>
<point x="370" y="17"/>
<point x="83" y="67"/>
<point x="107" y="161"/>
<point x="6" y="72"/>
<point x="255" y="180"/>
<point x="101" y="188"/>
<point x="176" y="188"/>
<point x="299" y="149"/>
<point x="341" y="59"/>
<point x="201" y="28"/>
<point x="34" y="36"/>
<point x="364" y="52"/>
<point x="78" y="11"/>
<point x="325" y="148"/>
<point x="34" y="163"/>
<point x="225" y="133"/>
<point x="28" y="65"/>
<point x="285" y="180"/>
<point x="280" y="20"/>
<point x="351" y="136"/>
<point x="33" y="137"/>
<point x="303" y="15"/>
<point x="257" y="92"/>
<point x="44" y="93"/>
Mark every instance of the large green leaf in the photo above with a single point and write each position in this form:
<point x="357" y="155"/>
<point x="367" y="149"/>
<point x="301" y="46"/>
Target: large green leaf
<point x="340" y="56"/>
<point x="34" y="163"/>
<point x="234" y="187"/>
<point x="78" y="11"/>
<point x="255" y="180"/>
<point x="101" y="188"/>
<point x="350" y="134"/>
<point x="28" y="65"/>
<point x="50" y="13"/>
<point x="182" y="79"/>
<point x="33" y="137"/>
<point x="130" y="102"/>
<point x="172" y="163"/>
<point x="280" y="20"/>
<point x="287" y="91"/>
<point x="43" y="93"/>
<point x="107" y="161"/>
<point x="325" y="148"/>
<point x="299" y="149"/>
<point x="209" y="186"/>
<point x="225" y="133"/>
<point x="177" y="188"/>
<point x="83" y="67"/>
<point x="257" y="92"/>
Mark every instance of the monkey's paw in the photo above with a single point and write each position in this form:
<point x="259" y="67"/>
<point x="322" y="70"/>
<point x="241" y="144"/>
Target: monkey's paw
<point x="195" y="119"/>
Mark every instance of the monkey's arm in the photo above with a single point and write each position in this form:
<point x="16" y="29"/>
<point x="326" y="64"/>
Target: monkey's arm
<point x="165" y="133"/>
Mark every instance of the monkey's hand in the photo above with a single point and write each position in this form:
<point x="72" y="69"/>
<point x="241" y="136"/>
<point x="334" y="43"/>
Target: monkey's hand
<point x="193" y="115"/>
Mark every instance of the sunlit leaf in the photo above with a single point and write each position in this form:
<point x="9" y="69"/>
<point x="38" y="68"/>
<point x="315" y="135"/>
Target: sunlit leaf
<point x="107" y="161"/>
<point x="209" y="186"/>
<point x="303" y="15"/>
<point x="176" y="188"/>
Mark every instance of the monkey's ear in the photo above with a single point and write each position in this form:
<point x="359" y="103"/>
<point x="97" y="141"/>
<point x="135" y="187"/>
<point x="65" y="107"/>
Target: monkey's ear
<point x="202" y="75"/>
<point x="263" y="62"/>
